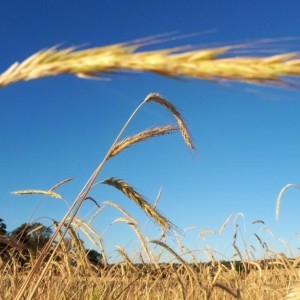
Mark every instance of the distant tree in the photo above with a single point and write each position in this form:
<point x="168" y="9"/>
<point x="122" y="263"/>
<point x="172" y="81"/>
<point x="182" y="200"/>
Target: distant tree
<point x="34" y="236"/>
<point x="2" y="227"/>
<point x="9" y="246"/>
<point x="94" y="257"/>
<point x="3" y="233"/>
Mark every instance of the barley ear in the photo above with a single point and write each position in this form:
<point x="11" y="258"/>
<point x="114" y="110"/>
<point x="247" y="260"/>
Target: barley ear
<point x="204" y="64"/>
<point x="133" y="195"/>
<point x="154" y="97"/>
<point x="278" y="201"/>
<point x="60" y="183"/>
<point x="225" y="224"/>
<point x="38" y="192"/>
<point x="140" y="137"/>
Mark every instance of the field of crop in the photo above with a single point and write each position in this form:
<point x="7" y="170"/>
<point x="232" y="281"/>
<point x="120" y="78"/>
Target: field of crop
<point x="62" y="269"/>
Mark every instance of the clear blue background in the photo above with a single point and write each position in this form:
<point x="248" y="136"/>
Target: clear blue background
<point x="247" y="137"/>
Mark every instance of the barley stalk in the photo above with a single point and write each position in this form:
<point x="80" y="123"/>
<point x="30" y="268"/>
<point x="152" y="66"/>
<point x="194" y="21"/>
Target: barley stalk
<point x="140" y="236"/>
<point x="122" y="210"/>
<point x="190" y="271"/>
<point x="94" y="237"/>
<point x="208" y="64"/>
<point x="122" y="252"/>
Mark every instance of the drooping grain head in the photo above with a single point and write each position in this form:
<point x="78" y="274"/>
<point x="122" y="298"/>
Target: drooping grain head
<point x="132" y="194"/>
<point x="181" y="124"/>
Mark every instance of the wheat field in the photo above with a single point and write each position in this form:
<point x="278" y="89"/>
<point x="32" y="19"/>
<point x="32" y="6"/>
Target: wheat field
<point x="56" y="273"/>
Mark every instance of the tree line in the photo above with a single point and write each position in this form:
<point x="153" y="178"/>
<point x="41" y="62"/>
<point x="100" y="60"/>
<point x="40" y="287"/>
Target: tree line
<point x="30" y="238"/>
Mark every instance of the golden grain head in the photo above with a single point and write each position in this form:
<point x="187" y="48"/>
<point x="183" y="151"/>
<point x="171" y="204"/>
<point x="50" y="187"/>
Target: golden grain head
<point x="38" y="192"/>
<point x="279" y="197"/>
<point x="60" y="183"/>
<point x="140" y="137"/>
<point x="207" y="64"/>
<point x="156" y="98"/>
<point x="133" y="195"/>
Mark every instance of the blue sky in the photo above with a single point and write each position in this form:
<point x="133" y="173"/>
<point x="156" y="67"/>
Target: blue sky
<point x="58" y="127"/>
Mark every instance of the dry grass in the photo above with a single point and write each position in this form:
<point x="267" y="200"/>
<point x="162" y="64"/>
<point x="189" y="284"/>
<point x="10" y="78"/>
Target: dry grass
<point x="141" y="275"/>
<point x="134" y="279"/>
<point x="294" y="294"/>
